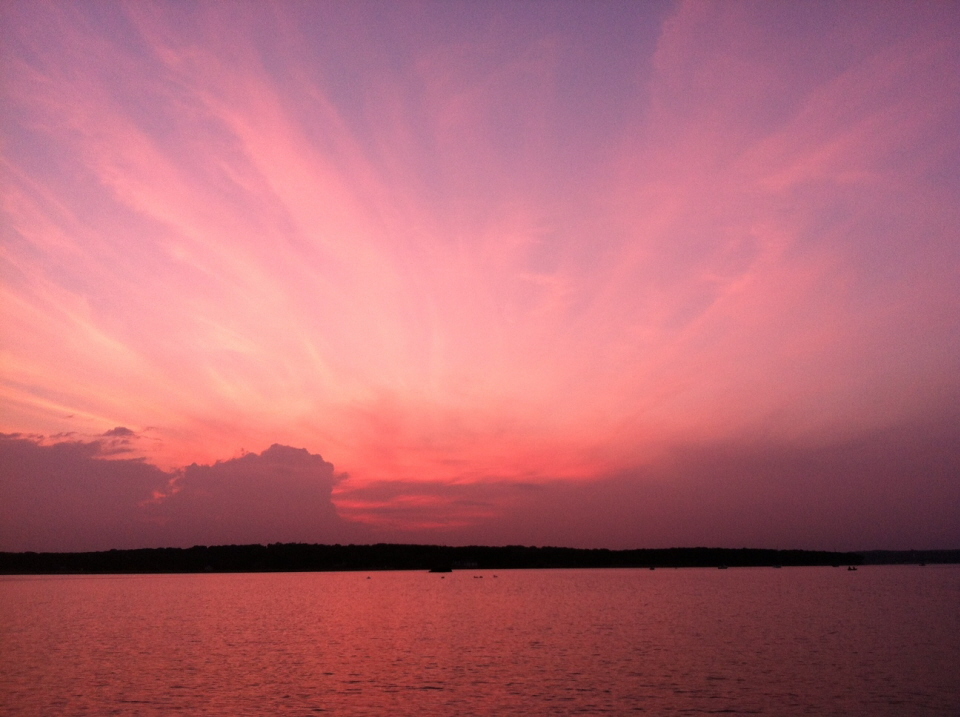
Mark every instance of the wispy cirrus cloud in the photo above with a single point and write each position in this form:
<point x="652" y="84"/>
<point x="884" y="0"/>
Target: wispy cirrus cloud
<point x="479" y="245"/>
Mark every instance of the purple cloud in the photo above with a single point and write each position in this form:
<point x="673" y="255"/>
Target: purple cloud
<point x="67" y="496"/>
<point x="75" y="495"/>
<point x="280" y="495"/>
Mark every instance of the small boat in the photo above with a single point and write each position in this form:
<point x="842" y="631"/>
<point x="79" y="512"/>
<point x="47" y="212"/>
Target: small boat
<point x="851" y="567"/>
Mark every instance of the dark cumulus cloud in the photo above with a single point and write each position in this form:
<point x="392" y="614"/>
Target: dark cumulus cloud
<point x="67" y="496"/>
<point x="83" y="495"/>
<point x="280" y="495"/>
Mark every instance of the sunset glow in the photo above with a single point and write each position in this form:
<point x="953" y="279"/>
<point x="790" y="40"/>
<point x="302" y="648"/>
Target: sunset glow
<point x="663" y="265"/>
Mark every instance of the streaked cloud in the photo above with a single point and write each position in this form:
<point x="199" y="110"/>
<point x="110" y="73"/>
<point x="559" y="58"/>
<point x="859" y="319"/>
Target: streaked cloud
<point x="478" y="247"/>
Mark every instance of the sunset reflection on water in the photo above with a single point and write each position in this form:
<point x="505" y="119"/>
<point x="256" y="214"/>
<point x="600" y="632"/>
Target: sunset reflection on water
<point x="799" y="640"/>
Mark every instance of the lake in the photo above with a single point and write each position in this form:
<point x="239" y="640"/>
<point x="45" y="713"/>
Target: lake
<point x="882" y="640"/>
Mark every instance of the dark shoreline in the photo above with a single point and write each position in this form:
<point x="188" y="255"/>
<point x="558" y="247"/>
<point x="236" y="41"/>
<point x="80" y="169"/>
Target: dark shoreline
<point x="287" y="557"/>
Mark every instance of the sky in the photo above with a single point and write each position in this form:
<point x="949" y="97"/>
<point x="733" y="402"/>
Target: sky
<point x="592" y="274"/>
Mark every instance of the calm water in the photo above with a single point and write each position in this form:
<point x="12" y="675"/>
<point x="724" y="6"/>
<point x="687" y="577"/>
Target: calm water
<point x="878" y="641"/>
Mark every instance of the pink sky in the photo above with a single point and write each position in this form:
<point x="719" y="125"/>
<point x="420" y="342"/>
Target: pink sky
<point x="594" y="274"/>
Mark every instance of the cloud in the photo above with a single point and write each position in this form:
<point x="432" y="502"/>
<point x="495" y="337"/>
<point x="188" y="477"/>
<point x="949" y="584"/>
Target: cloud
<point x="529" y="245"/>
<point x="77" y="495"/>
<point x="431" y="508"/>
<point x="67" y="496"/>
<point x="280" y="495"/>
<point x="893" y="488"/>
